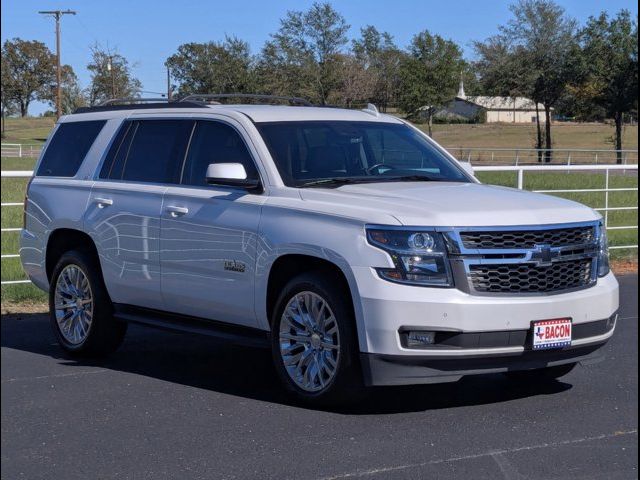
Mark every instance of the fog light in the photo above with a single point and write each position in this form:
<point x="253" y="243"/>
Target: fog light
<point x="420" y="339"/>
<point x="611" y="322"/>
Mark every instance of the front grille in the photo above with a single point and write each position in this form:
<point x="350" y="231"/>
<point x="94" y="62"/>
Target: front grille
<point x="528" y="238"/>
<point x="528" y="278"/>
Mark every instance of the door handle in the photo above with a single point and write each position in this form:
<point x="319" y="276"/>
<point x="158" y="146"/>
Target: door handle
<point x="103" y="202"/>
<point x="177" y="211"/>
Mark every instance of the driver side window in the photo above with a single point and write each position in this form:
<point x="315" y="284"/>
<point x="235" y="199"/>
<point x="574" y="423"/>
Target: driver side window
<point x="215" y="142"/>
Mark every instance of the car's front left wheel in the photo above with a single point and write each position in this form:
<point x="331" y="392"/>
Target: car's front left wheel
<point x="314" y="341"/>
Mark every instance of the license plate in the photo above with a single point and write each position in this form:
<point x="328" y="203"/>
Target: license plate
<point x="554" y="333"/>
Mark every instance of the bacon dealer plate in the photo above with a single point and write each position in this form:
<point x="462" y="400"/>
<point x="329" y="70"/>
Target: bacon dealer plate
<point x="555" y="333"/>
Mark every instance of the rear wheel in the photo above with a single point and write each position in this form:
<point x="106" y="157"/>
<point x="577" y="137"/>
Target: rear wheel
<point x="80" y="309"/>
<point x="542" y="374"/>
<point x="314" y="343"/>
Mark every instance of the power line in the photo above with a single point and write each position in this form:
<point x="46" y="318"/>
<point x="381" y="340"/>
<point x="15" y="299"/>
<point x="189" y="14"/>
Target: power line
<point x="57" y="14"/>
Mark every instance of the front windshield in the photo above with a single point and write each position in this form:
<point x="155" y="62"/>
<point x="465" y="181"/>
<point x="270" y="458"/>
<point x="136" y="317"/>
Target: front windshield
<point x="320" y="152"/>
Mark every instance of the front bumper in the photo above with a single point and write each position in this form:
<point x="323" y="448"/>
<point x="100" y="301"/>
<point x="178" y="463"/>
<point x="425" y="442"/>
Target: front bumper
<point x="388" y="308"/>
<point x="484" y="334"/>
<point x="402" y="370"/>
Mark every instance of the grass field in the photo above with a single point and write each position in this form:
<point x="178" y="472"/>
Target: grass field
<point x="564" y="135"/>
<point x="33" y="131"/>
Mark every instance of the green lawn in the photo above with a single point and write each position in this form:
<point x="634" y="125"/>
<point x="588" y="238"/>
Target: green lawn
<point x="24" y="163"/>
<point x="564" y="135"/>
<point x="13" y="191"/>
<point x="30" y="130"/>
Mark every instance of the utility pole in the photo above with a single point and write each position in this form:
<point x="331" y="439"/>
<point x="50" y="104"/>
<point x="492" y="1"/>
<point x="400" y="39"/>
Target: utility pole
<point x="57" y="14"/>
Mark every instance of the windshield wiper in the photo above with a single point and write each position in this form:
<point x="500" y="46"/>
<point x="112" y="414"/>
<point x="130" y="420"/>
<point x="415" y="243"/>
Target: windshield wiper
<point x="333" y="182"/>
<point x="339" y="181"/>
<point x="413" y="178"/>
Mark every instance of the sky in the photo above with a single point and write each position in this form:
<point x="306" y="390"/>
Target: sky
<point x="146" y="32"/>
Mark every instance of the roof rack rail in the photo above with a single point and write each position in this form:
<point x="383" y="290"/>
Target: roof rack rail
<point x="203" y="97"/>
<point x="125" y="100"/>
<point x="137" y="104"/>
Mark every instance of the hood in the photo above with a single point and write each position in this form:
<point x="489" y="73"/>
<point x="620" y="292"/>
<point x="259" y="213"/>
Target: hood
<point x="451" y="204"/>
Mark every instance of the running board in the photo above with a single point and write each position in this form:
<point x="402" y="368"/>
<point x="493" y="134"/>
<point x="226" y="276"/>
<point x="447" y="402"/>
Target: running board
<point x="235" y="334"/>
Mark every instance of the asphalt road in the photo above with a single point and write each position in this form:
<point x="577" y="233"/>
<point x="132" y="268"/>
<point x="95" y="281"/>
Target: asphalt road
<point x="180" y="406"/>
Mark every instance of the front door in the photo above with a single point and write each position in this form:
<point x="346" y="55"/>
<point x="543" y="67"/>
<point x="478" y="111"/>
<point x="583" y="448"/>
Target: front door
<point x="209" y="234"/>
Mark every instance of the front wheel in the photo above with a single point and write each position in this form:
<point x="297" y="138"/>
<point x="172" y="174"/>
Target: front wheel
<point x="314" y="343"/>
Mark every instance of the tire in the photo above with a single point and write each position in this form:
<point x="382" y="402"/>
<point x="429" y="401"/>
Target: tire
<point x="542" y="374"/>
<point x="83" y="323"/>
<point x="327" y="372"/>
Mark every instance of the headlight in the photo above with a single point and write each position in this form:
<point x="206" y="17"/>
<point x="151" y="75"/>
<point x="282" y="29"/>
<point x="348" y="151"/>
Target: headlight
<point x="603" y="252"/>
<point x="420" y="257"/>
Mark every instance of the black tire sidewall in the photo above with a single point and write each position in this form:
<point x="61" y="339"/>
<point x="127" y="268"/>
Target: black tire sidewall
<point x="346" y="381"/>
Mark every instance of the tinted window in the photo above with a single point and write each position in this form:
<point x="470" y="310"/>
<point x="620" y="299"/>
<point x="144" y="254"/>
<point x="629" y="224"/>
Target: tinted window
<point x="215" y="142"/>
<point x="114" y="161"/>
<point x="156" y="151"/>
<point x="68" y="147"/>
<point x="360" y="151"/>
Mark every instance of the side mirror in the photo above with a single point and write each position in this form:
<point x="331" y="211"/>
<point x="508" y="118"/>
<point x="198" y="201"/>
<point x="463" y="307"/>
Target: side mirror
<point x="230" y="175"/>
<point x="466" y="166"/>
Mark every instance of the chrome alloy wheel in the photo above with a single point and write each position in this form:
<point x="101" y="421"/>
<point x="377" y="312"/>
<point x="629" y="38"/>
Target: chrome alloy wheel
<point x="73" y="304"/>
<point x="309" y="341"/>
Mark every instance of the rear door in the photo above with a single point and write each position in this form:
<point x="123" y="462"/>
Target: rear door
<point x="123" y="215"/>
<point x="209" y="233"/>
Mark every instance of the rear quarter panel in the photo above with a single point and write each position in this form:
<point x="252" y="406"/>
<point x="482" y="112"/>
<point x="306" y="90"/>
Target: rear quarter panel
<point x="59" y="202"/>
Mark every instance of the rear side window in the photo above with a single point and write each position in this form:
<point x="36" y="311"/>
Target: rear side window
<point x="215" y="142"/>
<point x="155" y="153"/>
<point x="68" y="147"/>
<point x="114" y="161"/>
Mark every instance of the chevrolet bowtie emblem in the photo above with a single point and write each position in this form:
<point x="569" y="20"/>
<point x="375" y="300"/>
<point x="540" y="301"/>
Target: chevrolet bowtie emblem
<point x="543" y="255"/>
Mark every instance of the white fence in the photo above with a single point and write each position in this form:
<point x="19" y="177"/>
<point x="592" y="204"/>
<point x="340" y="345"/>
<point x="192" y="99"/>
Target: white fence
<point x="519" y="170"/>
<point x="533" y="156"/>
<point x="20" y="150"/>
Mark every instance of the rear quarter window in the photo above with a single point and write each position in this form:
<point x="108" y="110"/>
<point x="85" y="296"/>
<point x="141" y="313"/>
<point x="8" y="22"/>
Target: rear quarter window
<point x="68" y="147"/>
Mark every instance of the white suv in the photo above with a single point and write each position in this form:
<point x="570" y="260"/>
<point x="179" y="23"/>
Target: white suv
<point x="349" y="241"/>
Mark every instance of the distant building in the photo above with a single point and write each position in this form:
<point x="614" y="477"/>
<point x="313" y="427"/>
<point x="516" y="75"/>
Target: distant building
<point x="483" y="109"/>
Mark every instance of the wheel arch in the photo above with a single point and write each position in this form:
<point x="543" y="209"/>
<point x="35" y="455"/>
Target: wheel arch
<point x="63" y="240"/>
<point x="287" y="265"/>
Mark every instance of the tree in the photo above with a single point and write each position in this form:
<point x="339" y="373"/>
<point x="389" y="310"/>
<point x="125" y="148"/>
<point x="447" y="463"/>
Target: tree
<point x="610" y="53"/>
<point x="28" y="71"/>
<point x="72" y="95"/>
<point x="303" y="57"/>
<point x="111" y="76"/>
<point x="381" y="59"/>
<point x="7" y="105"/>
<point x="504" y="71"/>
<point x="429" y="76"/>
<point x="356" y="83"/>
<point x="212" y="67"/>
<point x="544" y="38"/>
